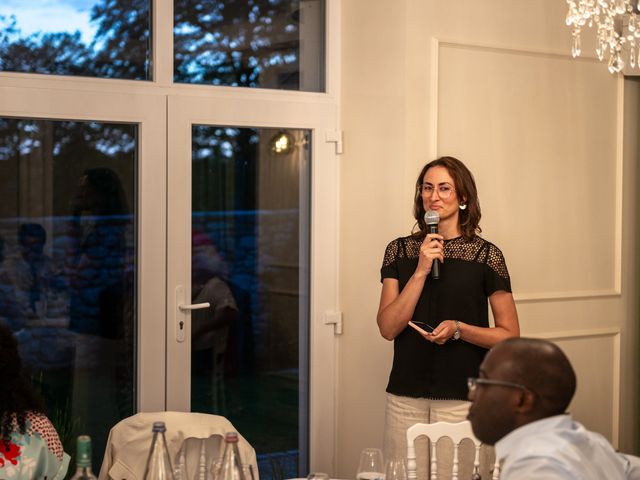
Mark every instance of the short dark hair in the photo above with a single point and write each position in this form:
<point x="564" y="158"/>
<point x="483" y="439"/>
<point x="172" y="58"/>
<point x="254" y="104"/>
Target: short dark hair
<point x="32" y="230"/>
<point x="465" y="186"/>
<point x="544" y="368"/>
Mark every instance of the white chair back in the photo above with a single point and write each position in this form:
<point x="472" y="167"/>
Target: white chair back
<point x="129" y="441"/>
<point x="434" y="431"/>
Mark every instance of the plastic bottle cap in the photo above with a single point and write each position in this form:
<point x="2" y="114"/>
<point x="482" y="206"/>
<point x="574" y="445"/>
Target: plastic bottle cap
<point x="231" y="437"/>
<point x="159" y="427"/>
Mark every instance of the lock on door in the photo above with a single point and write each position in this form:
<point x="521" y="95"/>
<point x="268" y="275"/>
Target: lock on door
<point x="183" y="310"/>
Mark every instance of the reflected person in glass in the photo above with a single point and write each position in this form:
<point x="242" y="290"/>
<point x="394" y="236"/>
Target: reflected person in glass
<point x="99" y="227"/>
<point x="101" y="280"/>
<point x="29" y="271"/>
<point x="210" y="326"/>
<point x="9" y="309"/>
<point x="430" y="366"/>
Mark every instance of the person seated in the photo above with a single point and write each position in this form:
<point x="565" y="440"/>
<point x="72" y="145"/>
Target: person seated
<point x="28" y="275"/>
<point x="9" y="308"/>
<point x="29" y="444"/>
<point x="519" y="405"/>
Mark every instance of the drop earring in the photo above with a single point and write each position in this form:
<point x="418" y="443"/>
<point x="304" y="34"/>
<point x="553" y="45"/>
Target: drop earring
<point x="462" y="206"/>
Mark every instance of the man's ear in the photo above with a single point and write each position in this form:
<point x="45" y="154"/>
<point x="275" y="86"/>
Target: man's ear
<point x="526" y="401"/>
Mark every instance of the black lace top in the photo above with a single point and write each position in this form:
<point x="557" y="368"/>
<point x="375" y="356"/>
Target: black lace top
<point x="471" y="272"/>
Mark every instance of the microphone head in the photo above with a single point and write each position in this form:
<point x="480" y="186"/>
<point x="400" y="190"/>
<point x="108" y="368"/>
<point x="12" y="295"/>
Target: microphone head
<point x="431" y="217"/>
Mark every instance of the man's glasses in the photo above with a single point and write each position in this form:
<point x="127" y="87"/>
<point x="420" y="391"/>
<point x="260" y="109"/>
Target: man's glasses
<point x="473" y="382"/>
<point x="444" y="190"/>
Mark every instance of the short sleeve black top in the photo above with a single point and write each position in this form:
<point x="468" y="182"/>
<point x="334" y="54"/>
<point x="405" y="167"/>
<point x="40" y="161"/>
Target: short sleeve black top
<point x="471" y="272"/>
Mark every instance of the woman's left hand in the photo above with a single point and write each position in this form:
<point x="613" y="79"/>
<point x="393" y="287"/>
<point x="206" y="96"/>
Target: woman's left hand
<point x="443" y="332"/>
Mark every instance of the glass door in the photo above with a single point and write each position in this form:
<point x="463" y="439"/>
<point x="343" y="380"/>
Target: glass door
<point x="74" y="213"/>
<point x="241" y="248"/>
<point x="249" y="261"/>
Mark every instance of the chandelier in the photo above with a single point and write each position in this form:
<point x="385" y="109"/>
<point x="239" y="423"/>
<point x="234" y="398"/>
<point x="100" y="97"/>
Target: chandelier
<point x="617" y="25"/>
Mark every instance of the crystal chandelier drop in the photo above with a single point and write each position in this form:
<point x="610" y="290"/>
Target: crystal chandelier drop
<point x="617" y="29"/>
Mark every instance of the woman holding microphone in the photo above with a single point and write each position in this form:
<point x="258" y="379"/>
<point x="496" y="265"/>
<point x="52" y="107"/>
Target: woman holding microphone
<point x="440" y="326"/>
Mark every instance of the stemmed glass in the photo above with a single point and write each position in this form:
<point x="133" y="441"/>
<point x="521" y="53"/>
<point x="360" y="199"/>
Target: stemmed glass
<point x="371" y="466"/>
<point x="395" y="469"/>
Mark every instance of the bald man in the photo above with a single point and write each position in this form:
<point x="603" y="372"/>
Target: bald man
<point x="519" y="405"/>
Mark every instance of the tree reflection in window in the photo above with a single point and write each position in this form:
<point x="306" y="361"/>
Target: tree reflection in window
<point x="246" y="43"/>
<point x="120" y="47"/>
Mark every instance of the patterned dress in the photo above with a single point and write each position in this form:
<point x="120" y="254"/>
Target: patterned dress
<point x="36" y="454"/>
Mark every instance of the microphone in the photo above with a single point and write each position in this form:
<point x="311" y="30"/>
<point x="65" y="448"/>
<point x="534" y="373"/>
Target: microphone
<point x="432" y="219"/>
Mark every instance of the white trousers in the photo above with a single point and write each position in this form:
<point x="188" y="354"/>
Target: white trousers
<point x="403" y="412"/>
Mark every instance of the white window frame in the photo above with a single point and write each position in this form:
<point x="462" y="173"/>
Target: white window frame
<point x="151" y="105"/>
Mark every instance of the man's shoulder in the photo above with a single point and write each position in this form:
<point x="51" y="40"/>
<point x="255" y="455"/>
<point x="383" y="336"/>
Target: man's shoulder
<point x="547" y="465"/>
<point x="563" y="450"/>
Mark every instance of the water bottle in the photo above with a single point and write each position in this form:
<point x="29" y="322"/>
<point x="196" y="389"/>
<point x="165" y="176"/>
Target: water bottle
<point x="83" y="459"/>
<point x="180" y="470"/>
<point x="231" y="468"/>
<point x="158" y="463"/>
<point x="203" y="471"/>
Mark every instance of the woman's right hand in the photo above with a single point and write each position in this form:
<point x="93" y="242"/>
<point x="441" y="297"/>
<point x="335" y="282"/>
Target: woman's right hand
<point x="432" y="248"/>
<point x="396" y="307"/>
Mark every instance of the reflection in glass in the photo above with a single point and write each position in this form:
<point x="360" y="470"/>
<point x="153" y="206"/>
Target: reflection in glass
<point x="67" y="267"/>
<point x="91" y="38"/>
<point x="250" y="261"/>
<point x="250" y="43"/>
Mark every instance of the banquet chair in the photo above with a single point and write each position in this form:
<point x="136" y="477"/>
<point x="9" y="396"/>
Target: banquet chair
<point x="130" y="439"/>
<point x="457" y="432"/>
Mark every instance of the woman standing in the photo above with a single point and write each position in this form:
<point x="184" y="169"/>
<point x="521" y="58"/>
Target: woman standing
<point x="430" y="369"/>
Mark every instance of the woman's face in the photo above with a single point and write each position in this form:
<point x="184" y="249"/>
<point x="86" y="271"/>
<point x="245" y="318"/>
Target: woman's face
<point x="86" y="196"/>
<point x="439" y="193"/>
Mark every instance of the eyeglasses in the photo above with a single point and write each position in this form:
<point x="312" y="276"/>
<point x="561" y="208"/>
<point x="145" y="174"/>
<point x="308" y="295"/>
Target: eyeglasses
<point x="473" y="382"/>
<point x="444" y="190"/>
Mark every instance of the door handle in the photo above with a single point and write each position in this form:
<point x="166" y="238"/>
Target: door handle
<point x="181" y="312"/>
<point x="194" y="306"/>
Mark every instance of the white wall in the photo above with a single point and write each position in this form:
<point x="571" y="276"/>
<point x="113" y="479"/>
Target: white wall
<point x="552" y="143"/>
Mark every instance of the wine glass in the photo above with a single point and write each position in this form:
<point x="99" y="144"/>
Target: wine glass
<point x="371" y="466"/>
<point x="395" y="469"/>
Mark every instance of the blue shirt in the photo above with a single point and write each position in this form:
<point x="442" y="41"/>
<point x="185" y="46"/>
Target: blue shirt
<point x="558" y="448"/>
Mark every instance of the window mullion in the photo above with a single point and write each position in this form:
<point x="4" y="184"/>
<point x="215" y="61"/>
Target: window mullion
<point x="162" y="33"/>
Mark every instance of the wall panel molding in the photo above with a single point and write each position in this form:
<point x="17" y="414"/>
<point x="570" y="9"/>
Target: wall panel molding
<point x="438" y="48"/>
<point x="609" y="337"/>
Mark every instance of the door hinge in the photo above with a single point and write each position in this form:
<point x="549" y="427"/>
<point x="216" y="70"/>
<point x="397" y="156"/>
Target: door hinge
<point x="335" y="319"/>
<point x="335" y="136"/>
